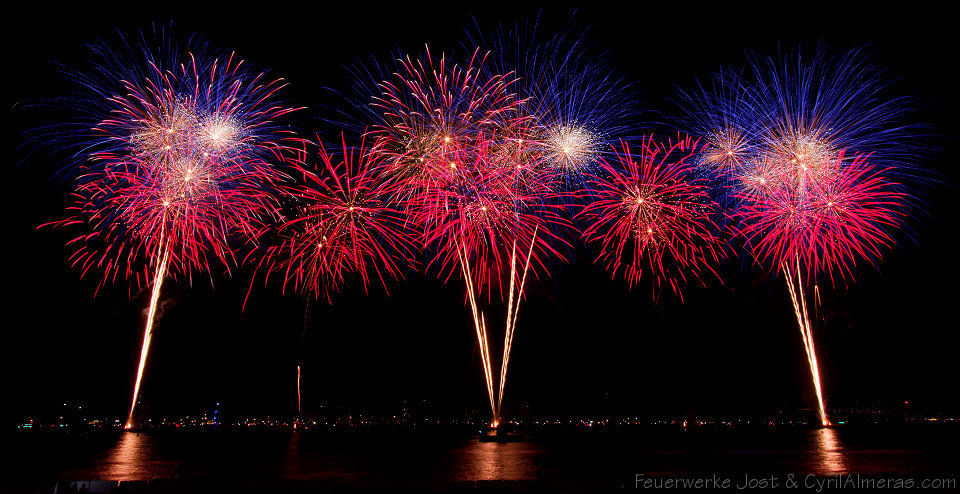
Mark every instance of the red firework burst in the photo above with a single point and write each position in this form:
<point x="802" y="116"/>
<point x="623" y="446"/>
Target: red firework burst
<point x="343" y="225"/>
<point x="431" y="106"/>
<point x="647" y="212"/>
<point x="183" y="164"/>
<point x="825" y="219"/>
<point x="189" y="206"/>
<point x="480" y="204"/>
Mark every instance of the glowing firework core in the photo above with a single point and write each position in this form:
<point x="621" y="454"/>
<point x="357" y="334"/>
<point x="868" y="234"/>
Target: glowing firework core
<point x="569" y="147"/>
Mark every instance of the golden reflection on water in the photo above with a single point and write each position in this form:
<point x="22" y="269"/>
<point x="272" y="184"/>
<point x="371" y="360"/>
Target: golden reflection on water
<point x="497" y="461"/>
<point x="128" y="459"/>
<point x="829" y="454"/>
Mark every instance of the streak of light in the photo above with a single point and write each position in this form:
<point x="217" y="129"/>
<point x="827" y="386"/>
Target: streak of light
<point x="806" y="334"/>
<point x="481" y="328"/>
<point x="514" y="309"/>
<point x="148" y="330"/>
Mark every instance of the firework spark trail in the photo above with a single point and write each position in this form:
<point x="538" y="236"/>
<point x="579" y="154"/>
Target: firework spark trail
<point x="148" y="331"/>
<point x="481" y="328"/>
<point x="299" y="408"/>
<point x="506" y="334"/>
<point x="806" y="335"/>
<point x="512" y="322"/>
<point x="814" y="368"/>
<point x="303" y="338"/>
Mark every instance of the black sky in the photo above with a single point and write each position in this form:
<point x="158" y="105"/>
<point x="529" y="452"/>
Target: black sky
<point x="584" y="343"/>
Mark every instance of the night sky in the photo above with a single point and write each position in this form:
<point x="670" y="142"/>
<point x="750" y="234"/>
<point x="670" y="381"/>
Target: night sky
<point x="584" y="343"/>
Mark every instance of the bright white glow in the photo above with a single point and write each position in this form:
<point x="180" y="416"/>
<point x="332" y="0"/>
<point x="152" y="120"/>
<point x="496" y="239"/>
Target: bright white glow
<point x="570" y="147"/>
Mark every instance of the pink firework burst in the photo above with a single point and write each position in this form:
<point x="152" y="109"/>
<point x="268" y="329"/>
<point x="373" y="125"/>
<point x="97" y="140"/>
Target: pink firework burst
<point x="183" y="166"/>
<point x="343" y="225"/>
<point x="478" y="206"/>
<point x="190" y="206"/>
<point x="823" y="219"/>
<point x="648" y="213"/>
<point x="432" y="106"/>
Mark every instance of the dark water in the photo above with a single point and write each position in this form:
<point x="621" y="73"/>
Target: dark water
<point x="410" y="459"/>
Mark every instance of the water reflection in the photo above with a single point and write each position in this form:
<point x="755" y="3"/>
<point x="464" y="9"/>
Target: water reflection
<point x="497" y="461"/>
<point x="829" y="456"/>
<point x="130" y="459"/>
<point x="291" y="460"/>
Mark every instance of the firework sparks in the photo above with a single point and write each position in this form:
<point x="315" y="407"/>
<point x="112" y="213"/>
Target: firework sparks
<point x="577" y="105"/>
<point x="819" y="226"/>
<point x="469" y="162"/>
<point x="475" y="214"/>
<point x="432" y="106"/>
<point x="802" y="207"/>
<point x="825" y="225"/>
<point x="181" y="165"/>
<point x="569" y="149"/>
<point x="648" y="213"/>
<point x="343" y="224"/>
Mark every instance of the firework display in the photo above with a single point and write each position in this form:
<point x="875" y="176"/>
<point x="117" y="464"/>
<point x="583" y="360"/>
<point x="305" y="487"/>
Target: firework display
<point x="488" y="166"/>
<point x="649" y="213"/>
<point x="179" y="169"/>
<point x="578" y="107"/>
<point x="457" y="144"/>
<point x="806" y="155"/>
<point x="342" y="224"/>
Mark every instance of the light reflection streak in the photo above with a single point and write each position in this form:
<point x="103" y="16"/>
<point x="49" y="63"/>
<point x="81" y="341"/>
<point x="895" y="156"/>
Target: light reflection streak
<point x="497" y="461"/>
<point x="829" y="455"/>
<point x="130" y="459"/>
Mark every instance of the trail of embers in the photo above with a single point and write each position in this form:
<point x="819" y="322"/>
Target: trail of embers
<point x="479" y="322"/>
<point x="795" y="287"/>
<point x="148" y="330"/>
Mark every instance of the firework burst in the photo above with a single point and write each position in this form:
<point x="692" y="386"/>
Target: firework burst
<point x="454" y="141"/>
<point x="478" y="206"/>
<point x="650" y="216"/>
<point x="824" y="225"/>
<point x="431" y="107"/>
<point x="578" y="107"/>
<point x="179" y="166"/>
<point x="342" y="225"/>
<point x="806" y="208"/>
<point x="487" y="219"/>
